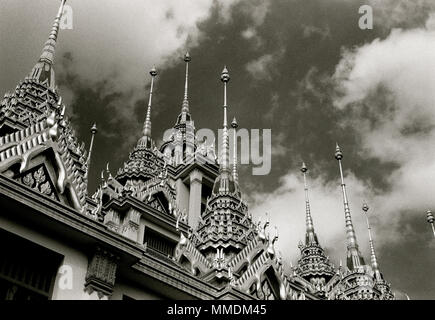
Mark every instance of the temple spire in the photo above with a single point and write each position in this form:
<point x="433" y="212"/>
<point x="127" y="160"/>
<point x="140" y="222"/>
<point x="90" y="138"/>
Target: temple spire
<point x="146" y="139"/>
<point x="94" y="130"/>
<point x="354" y="258"/>
<point x="185" y="106"/>
<point x="310" y="236"/>
<point x="234" y="125"/>
<point x="224" y="165"/>
<point x="373" y="259"/>
<point x="43" y="70"/>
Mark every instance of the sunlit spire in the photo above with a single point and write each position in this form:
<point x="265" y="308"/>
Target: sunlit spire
<point x="354" y="258"/>
<point x="43" y="70"/>
<point x="185" y="106"/>
<point x="224" y="182"/>
<point x="234" y="125"/>
<point x="146" y="139"/>
<point x="310" y="236"/>
<point x="373" y="259"/>
<point x="224" y="166"/>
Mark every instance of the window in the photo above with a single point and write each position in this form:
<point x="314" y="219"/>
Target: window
<point x="158" y="242"/>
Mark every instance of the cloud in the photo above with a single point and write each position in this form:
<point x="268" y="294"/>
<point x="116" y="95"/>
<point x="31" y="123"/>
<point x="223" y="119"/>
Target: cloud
<point x="400" y="13"/>
<point x="309" y="31"/>
<point x="259" y="68"/>
<point x="387" y="87"/>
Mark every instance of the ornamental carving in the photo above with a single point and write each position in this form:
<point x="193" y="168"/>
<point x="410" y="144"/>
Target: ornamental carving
<point x="101" y="273"/>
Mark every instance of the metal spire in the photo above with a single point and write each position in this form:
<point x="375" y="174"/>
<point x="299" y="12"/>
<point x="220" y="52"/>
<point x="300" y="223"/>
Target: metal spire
<point x="354" y="258"/>
<point x="94" y="130"/>
<point x="234" y="125"/>
<point x="185" y="106"/>
<point x="311" y="236"/>
<point x="373" y="259"/>
<point x="40" y="70"/>
<point x="431" y="220"/>
<point x="225" y="77"/>
<point x="147" y="125"/>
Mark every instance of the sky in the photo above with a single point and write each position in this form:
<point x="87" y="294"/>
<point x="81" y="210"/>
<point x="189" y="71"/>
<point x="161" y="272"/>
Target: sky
<point x="302" y="68"/>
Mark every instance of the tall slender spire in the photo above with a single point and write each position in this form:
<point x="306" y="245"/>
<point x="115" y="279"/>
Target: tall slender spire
<point x="185" y="106"/>
<point x="373" y="259"/>
<point x="234" y="125"/>
<point x="224" y="182"/>
<point x="93" y="131"/>
<point x="224" y="166"/>
<point x="354" y="258"/>
<point x="146" y="139"/>
<point x="310" y="236"/>
<point x="43" y="70"/>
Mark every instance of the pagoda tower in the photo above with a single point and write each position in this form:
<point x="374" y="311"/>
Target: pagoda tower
<point x="313" y="266"/>
<point x="38" y="146"/>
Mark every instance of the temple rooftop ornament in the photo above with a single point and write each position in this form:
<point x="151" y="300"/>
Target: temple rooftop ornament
<point x="313" y="266"/>
<point x="185" y="109"/>
<point x="234" y="125"/>
<point x="43" y="70"/>
<point x="146" y="140"/>
<point x="430" y="219"/>
<point x="225" y="182"/>
<point x="354" y="257"/>
<point x="94" y="131"/>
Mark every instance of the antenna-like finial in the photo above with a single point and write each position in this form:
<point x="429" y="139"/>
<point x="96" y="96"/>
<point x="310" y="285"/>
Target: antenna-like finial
<point x="430" y="219"/>
<point x="94" y="131"/>
<point x="234" y="125"/>
<point x="310" y="236"/>
<point x="354" y="258"/>
<point x="185" y="106"/>
<point x="146" y="139"/>
<point x="225" y="77"/>
<point x="373" y="259"/>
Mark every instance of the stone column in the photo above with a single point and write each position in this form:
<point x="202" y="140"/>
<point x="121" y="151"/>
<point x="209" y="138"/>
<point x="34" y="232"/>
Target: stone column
<point x="195" y="197"/>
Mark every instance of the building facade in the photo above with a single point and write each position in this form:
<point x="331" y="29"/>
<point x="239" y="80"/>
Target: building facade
<point x="171" y="223"/>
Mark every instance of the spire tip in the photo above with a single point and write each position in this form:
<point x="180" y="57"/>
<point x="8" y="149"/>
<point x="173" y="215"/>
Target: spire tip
<point x="225" y="76"/>
<point x="338" y="153"/>
<point x="304" y="168"/>
<point x="187" y="57"/>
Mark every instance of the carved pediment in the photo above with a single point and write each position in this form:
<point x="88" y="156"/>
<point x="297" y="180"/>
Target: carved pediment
<point x="39" y="179"/>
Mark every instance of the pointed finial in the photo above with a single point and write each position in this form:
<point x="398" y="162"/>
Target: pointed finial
<point x="225" y="76"/>
<point x="310" y="234"/>
<point x="153" y="71"/>
<point x="185" y="106"/>
<point x="338" y="153"/>
<point x="373" y="259"/>
<point x="146" y="139"/>
<point x="365" y="207"/>
<point x="234" y="125"/>
<point x="88" y="160"/>
<point x="354" y="256"/>
<point x="187" y="57"/>
<point x="94" y="128"/>
<point x="225" y="141"/>
<point x="43" y="69"/>
<point x="430" y="219"/>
